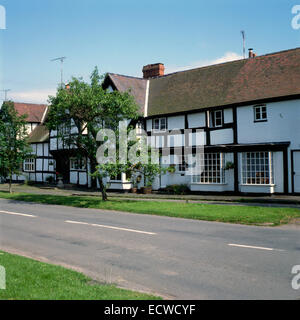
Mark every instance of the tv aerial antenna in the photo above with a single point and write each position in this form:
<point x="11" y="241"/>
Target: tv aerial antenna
<point x="61" y="59"/>
<point x="244" y="47"/>
<point x="5" y="92"/>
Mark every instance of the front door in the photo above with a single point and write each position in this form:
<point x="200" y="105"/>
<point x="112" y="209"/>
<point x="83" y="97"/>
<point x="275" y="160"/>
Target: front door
<point x="296" y="171"/>
<point x="63" y="167"/>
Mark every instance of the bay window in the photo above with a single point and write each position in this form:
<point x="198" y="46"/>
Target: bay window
<point x="257" y="168"/>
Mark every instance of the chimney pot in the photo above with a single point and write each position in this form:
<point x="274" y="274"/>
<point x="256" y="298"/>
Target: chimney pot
<point x="251" y="54"/>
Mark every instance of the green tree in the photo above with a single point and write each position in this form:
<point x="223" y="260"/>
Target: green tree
<point x="14" y="148"/>
<point x="86" y="108"/>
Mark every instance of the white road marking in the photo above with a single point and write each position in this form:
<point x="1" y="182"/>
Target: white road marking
<point x="18" y="214"/>
<point x="110" y="227"/>
<point x="253" y="247"/>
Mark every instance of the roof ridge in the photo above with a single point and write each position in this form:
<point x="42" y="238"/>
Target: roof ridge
<point x="126" y="76"/>
<point x="208" y="66"/>
<point x="32" y="104"/>
<point x="227" y="62"/>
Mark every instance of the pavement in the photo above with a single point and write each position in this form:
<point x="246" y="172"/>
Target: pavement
<point x="173" y="258"/>
<point x="243" y="200"/>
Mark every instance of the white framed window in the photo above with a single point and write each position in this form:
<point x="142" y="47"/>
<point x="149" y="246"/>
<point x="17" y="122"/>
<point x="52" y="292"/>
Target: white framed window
<point x="77" y="164"/>
<point x="29" y="165"/>
<point x="260" y="113"/>
<point x="182" y="165"/>
<point x="217" y="118"/>
<point x="139" y="125"/>
<point x="209" y="169"/>
<point x="257" y="168"/>
<point x="160" y="124"/>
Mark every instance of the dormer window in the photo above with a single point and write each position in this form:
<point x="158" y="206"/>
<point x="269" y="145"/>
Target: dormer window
<point x="160" y="124"/>
<point x="217" y="118"/>
<point x="260" y="113"/>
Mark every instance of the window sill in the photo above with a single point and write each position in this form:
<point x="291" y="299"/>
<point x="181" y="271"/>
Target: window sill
<point x="159" y="131"/>
<point x="258" y="185"/>
<point x="257" y="121"/>
<point x="209" y="184"/>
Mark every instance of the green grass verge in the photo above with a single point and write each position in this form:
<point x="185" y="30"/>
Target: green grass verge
<point x="222" y="213"/>
<point x="27" y="279"/>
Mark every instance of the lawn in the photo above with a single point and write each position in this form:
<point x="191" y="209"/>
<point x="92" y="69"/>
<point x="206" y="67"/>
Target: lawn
<point x="27" y="279"/>
<point x="223" y="213"/>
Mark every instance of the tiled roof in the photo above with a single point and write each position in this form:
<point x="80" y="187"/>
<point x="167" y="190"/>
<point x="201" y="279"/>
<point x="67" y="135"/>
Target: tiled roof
<point x="137" y="87"/>
<point x="270" y="76"/>
<point x="34" y="112"/>
<point x="39" y="134"/>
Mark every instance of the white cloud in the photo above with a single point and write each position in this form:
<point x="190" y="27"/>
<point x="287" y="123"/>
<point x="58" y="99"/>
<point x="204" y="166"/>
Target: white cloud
<point x="33" y="96"/>
<point x="229" y="56"/>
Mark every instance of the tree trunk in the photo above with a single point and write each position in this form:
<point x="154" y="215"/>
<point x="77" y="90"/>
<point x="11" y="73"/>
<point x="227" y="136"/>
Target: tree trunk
<point x="93" y="179"/>
<point x="10" y="183"/>
<point x="100" y="181"/>
<point x="102" y="189"/>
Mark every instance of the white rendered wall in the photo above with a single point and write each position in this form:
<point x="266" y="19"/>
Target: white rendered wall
<point x="282" y="126"/>
<point x="196" y="120"/>
<point x="176" y="123"/>
<point x="224" y="136"/>
<point x="228" y="115"/>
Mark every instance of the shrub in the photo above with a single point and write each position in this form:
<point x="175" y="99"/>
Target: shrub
<point x="50" y="179"/>
<point x="179" y="189"/>
<point x="29" y="182"/>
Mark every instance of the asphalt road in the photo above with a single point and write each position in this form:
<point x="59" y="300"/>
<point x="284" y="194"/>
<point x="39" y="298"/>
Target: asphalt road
<point x="174" y="258"/>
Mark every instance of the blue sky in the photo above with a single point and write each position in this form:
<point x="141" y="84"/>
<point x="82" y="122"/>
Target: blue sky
<point x="122" y="36"/>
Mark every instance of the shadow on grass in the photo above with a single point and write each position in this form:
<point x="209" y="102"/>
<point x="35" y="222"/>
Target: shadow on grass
<point x="251" y="215"/>
<point x="79" y="202"/>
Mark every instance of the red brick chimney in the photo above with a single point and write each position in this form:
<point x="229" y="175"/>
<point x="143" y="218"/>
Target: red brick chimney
<point x="153" y="70"/>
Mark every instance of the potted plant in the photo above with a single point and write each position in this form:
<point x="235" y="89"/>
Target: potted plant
<point x="171" y="168"/>
<point x="148" y="188"/>
<point x="150" y="171"/>
<point x="229" y="165"/>
<point x="59" y="179"/>
<point x="135" y="181"/>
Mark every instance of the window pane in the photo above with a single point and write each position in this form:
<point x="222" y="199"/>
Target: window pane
<point x="257" y="114"/>
<point x="163" y="124"/>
